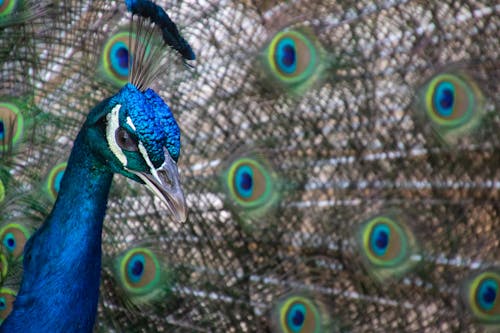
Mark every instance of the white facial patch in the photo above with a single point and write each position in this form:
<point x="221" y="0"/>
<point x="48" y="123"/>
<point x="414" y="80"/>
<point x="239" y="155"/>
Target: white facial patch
<point x="130" y="123"/>
<point x="113" y="124"/>
<point x="145" y="156"/>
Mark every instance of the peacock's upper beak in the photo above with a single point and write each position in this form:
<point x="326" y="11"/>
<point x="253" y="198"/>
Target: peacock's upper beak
<point x="165" y="183"/>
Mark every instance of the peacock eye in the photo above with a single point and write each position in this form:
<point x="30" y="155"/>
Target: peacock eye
<point x="481" y="297"/>
<point x="13" y="237"/>
<point x="387" y="244"/>
<point x="294" y="60"/>
<point x="297" y="314"/>
<point x="7" y="298"/>
<point x="139" y="271"/>
<point x="125" y="140"/>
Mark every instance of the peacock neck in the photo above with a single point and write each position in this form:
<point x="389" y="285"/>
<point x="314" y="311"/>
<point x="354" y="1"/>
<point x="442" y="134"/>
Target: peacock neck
<point x="62" y="261"/>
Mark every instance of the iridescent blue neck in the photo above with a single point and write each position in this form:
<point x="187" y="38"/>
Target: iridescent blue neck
<point x="62" y="261"/>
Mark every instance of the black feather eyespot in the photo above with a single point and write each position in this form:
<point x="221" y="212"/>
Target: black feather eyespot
<point x="125" y="140"/>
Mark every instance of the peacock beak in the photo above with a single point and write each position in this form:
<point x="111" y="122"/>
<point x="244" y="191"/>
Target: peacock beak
<point x="165" y="183"/>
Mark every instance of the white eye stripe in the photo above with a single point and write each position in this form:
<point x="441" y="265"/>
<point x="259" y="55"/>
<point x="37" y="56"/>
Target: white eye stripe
<point x="145" y="156"/>
<point x="130" y="123"/>
<point x="112" y="126"/>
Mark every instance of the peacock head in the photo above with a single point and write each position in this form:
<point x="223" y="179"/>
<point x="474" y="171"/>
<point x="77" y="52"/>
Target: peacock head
<point x="142" y="142"/>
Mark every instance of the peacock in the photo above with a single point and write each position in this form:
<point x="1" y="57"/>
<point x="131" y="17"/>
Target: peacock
<point x="331" y="166"/>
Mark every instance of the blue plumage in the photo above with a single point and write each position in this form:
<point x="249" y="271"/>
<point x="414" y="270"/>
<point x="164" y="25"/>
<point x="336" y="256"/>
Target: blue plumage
<point x="62" y="262"/>
<point x="132" y="133"/>
<point x="150" y="116"/>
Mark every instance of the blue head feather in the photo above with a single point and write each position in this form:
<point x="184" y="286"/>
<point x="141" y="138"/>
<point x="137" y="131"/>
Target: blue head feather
<point x="154" y="123"/>
<point x="164" y="115"/>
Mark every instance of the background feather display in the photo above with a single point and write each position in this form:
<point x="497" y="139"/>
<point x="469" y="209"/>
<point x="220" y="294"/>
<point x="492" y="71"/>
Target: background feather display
<point x="340" y="161"/>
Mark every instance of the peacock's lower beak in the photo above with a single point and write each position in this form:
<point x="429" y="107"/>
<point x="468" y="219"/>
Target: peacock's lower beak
<point x="165" y="183"/>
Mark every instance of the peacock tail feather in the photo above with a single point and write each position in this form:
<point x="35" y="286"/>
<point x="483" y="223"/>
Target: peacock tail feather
<point x="340" y="162"/>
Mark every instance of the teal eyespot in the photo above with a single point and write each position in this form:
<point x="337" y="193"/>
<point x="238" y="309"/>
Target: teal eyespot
<point x="249" y="182"/>
<point x="379" y="240"/>
<point x="487" y="294"/>
<point x="11" y="125"/>
<point x="450" y="100"/>
<point x="9" y="241"/>
<point x="385" y="241"/>
<point x="251" y="185"/>
<point x="116" y="56"/>
<point x="7" y="298"/>
<point x="140" y="271"/>
<point x="298" y="314"/>
<point x="136" y="268"/>
<point x="13" y="237"/>
<point x="386" y="245"/>
<point x="444" y="99"/>
<point x="53" y="183"/>
<point x="293" y="59"/>
<point x="285" y="56"/>
<point x="482" y="297"/>
<point x="296" y="317"/>
<point x="143" y="277"/>
<point x="452" y="103"/>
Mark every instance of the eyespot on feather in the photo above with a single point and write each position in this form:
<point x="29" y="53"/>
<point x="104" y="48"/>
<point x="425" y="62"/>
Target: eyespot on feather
<point x="297" y="313"/>
<point x="7" y="298"/>
<point x="452" y="104"/>
<point x="53" y="183"/>
<point x="116" y="57"/>
<point x="386" y="245"/>
<point x="139" y="271"/>
<point x="11" y="125"/>
<point x="294" y="59"/>
<point x="143" y="277"/>
<point x="251" y="185"/>
<point x="14" y="237"/>
<point x="481" y="297"/>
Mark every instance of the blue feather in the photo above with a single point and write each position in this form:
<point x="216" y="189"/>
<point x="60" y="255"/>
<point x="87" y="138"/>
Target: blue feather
<point x="62" y="261"/>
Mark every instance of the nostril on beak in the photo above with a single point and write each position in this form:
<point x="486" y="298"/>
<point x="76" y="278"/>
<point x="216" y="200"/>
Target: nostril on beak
<point x="165" y="178"/>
